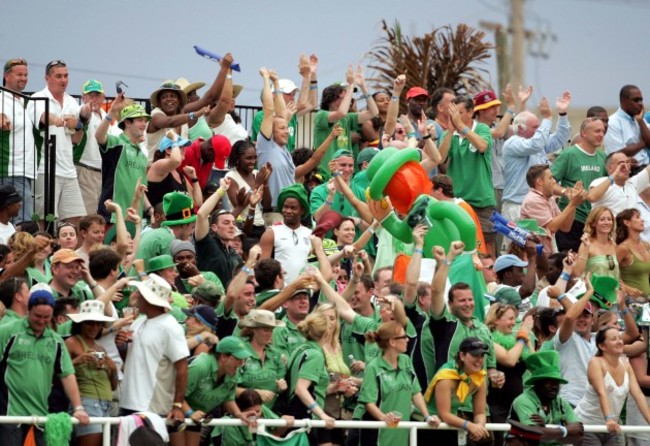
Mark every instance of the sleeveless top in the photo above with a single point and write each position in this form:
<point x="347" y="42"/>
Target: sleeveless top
<point x="637" y="274"/>
<point x="93" y="383"/>
<point x="157" y="190"/>
<point x="291" y="249"/>
<point x="588" y="409"/>
<point x="241" y="183"/>
<point x="602" y="265"/>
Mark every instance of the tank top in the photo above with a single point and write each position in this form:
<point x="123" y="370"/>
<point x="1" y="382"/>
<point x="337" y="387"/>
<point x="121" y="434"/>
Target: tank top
<point x="241" y="183"/>
<point x="291" y="249"/>
<point x="602" y="265"/>
<point x="93" y="383"/>
<point x="637" y="274"/>
<point x="157" y="190"/>
<point x="588" y="409"/>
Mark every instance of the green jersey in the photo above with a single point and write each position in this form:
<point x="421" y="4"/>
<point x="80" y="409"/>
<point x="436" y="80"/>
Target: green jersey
<point x="204" y="392"/>
<point x="322" y="128"/>
<point x="262" y="374"/>
<point x="286" y="339"/>
<point x="308" y="362"/>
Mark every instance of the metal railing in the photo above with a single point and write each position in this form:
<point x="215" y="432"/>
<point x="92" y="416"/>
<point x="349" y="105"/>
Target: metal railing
<point x="412" y="426"/>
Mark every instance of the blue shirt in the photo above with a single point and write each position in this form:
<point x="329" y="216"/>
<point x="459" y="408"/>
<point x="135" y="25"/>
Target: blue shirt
<point x="284" y="171"/>
<point x="521" y="153"/>
<point x="623" y="129"/>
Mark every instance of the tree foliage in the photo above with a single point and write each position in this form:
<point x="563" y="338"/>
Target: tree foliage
<point x="444" y="57"/>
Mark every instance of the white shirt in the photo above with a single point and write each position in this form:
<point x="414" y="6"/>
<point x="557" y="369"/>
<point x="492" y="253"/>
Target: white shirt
<point x="231" y="130"/>
<point x="618" y="198"/>
<point x="90" y="156"/>
<point x="64" y="165"/>
<point x="149" y="373"/>
<point x="291" y="249"/>
<point x="623" y="129"/>
<point x="21" y="162"/>
<point x="6" y="231"/>
<point x="575" y="354"/>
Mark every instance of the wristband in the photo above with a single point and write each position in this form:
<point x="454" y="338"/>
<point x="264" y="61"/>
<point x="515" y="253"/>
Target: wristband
<point x="370" y="230"/>
<point x="336" y="174"/>
<point x="312" y="406"/>
<point x="220" y="192"/>
<point x="195" y="180"/>
<point x="611" y="416"/>
<point x="394" y="98"/>
<point x="465" y="131"/>
<point x="247" y="270"/>
<point x="565" y="276"/>
<point x="427" y="136"/>
<point x="427" y="418"/>
<point x="191" y="115"/>
<point x="329" y="202"/>
<point x="611" y="179"/>
<point x="142" y="274"/>
<point x="465" y="424"/>
<point x="512" y="112"/>
<point x="277" y="92"/>
<point x="364" y="96"/>
<point x="625" y="311"/>
<point x="313" y="87"/>
<point x="562" y="114"/>
<point x="561" y="296"/>
<point x="446" y="262"/>
<point x="78" y="408"/>
<point x="418" y="251"/>
<point x="522" y="340"/>
<point x="564" y="431"/>
<point x="108" y="118"/>
<point x="198" y="338"/>
<point x="313" y="82"/>
<point x="189" y="413"/>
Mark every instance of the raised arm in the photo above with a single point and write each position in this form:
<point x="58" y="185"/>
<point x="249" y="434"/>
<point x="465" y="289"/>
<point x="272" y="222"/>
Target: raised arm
<point x="475" y="139"/>
<point x="163" y="167"/>
<point x="413" y="270"/>
<point x="202" y="227"/>
<point x="309" y="84"/>
<point x="344" y="107"/>
<point x="500" y="130"/>
<point x="318" y="154"/>
<point x="573" y="313"/>
<point x="279" y="105"/>
<point x="393" y="106"/>
<point x="343" y="308"/>
<point x="439" y="282"/>
<point x="215" y="89"/>
<point x="113" y="113"/>
<point x="372" y="110"/>
<point x="218" y="113"/>
<point x="268" y="109"/>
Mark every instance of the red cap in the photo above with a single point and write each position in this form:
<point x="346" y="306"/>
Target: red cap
<point x="485" y="99"/>
<point x="221" y="147"/>
<point x="415" y="92"/>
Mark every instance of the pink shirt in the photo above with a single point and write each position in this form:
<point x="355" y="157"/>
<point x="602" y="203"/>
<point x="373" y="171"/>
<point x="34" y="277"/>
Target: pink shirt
<point x="536" y="206"/>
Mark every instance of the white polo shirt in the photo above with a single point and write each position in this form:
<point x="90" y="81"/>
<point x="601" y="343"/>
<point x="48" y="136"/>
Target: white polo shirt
<point x="17" y="146"/>
<point x="619" y="198"/>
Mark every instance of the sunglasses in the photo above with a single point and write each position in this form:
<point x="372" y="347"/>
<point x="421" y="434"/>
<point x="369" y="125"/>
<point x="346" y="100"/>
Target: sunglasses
<point x="400" y="131"/>
<point x="637" y="99"/>
<point x="475" y="346"/>
<point x="13" y="63"/>
<point x="400" y="337"/>
<point x="54" y="63"/>
<point x="610" y="259"/>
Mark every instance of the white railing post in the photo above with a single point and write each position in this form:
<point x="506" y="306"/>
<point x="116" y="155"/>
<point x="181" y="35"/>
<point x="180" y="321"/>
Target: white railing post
<point x="413" y="436"/>
<point x="106" y="434"/>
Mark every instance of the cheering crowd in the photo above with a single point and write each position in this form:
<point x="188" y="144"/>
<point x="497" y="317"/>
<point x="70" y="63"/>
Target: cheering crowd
<point x="202" y="270"/>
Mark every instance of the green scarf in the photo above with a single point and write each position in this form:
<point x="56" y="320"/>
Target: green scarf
<point x="509" y="341"/>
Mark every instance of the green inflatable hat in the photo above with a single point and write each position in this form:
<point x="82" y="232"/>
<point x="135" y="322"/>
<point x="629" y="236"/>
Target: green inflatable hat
<point x="605" y="288"/>
<point x="544" y="365"/>
<point x="384" y="165"/>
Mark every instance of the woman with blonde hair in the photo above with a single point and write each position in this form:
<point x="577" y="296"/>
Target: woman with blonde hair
<point x="383" y="397"/>
<point x="307" y="375"/>
<point x="597" y="253"/>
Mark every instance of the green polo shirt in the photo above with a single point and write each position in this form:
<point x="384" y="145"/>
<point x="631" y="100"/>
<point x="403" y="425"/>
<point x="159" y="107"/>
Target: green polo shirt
<point x="286" y="339"/>
<point x="353" y="342"/>
<point x="203" y="391"/>
<point x="390" y="389"/>
<point x="265" y="295"/>
<point x="10" y="316"/>
<point x="308" y="362"/>
<point x="258" y="374"/>
<point x="25" y="355"/>
<point x="154" y="243"/>
<point x="528" y="403"/>
<point x="362" y="324"/>
<point x="79" y="291"/>
<point x="241" y="435"/>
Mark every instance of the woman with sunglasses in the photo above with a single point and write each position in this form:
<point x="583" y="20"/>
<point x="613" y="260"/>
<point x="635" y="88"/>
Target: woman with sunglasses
<point x="632" y="253"/>
<point x="457" y="380"/>
<point x="597" y="253"/>
<point x="390" y="379"/>
<point x="611" y="380"/>
<point x="511" y="350"/>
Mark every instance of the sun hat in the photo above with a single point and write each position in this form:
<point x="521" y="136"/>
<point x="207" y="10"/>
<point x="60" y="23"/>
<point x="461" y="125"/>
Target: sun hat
<point x="205" y="314"/>
<point x="485" y="99"/>
<point x="506" y="261"/>
<point x="168" y="86"/>
<point x="544" y="365"/>
<point x="90" y="310"/>
<point x="260" y="318"/>
<point x="132" y="111"/>
<point x="92" y="86"/>
<point x="233" y="346"/>
<point x="186" y="85"/>
<point x="208" y="292"/>
<point x="65" y="255"/>
<point x="414" y="92"/>
<point x="178" y="208"/>
<point x="154" y="290"/>
<point x="159" y="263"/>
<point x="236" y="89"/>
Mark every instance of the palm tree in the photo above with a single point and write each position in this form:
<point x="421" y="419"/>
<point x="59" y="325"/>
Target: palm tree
<point x="443" y="57"/>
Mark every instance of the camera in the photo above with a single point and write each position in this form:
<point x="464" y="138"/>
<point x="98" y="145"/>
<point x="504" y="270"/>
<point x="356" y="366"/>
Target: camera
<point x="99" y="355"/>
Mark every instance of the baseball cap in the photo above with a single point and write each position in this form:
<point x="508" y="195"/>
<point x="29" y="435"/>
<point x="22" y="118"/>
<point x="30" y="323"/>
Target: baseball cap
<point x="485" y="99"/>
<point x="167" y="143"/>
<point x="92" y="86"/>
<point x="233" y="346"/>
<point x="66" y="256"/>
<point x="286" y="86"/>
<point x="508" y="260"/>
<point x="474" y="346"/>
<point x="415" y="92"/>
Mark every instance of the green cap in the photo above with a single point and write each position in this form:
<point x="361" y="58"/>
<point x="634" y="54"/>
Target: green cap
<point x="544" y="365"/>
<point x="366" y="154"/>
<point x="92" y="85"/>
<point x="298" y="192"/>
<point x="112" y="233"/>
<point x="209" y="292"/>
<point x="178" y="208"/>
<point x="233" y="346"/>
<point x="131" y="112"/>
<point x="342" y="152"/>
<point x="159" y="263"/>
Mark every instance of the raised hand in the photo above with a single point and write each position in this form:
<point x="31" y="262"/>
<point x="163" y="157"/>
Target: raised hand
<point x="303" y="66"/>
<point x="525" y="94"/>
<point x="562" y="103"/>
<point x="349" y="75"/>
<point x="313" y="64"/>
<point x="226" y="60"/>
<point x="544" y="108"/>
<point x="509" y="96"/>
<point x="224" y="183"/>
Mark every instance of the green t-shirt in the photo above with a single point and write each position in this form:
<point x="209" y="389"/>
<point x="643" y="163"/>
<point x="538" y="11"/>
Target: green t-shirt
<point x="573" y="165"/>
<point x="258" y="374"/>
<point x="203" y="392"/>
<point x="286" y="339"/>
<point x="471" y="170"/>
<point x="322" y="128"/>
<point x="79" y="291"/>
<point x="353" y="342"/>
<point x="293" y="129"/>
<point x="23" y="356"/>
<point x="154" y="243"/>
<point x="308" y="362"/>
<point x="391" y="389"/>
<point x="10" y="316"/>
<point x="528" y="403"/>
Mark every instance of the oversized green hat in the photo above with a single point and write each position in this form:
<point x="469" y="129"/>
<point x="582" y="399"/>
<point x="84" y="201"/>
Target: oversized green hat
<point x="178" y="208"/>
<point x="531" y="225"/>
<point x="605" y="288"/>
<point x="159" y="263"/>
<point x="298" y="192"/>
<point x="384" y="165"/>
<point x="544" y="365"/>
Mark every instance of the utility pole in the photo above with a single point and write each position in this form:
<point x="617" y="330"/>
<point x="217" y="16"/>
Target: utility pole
<point x="518" y="42"/>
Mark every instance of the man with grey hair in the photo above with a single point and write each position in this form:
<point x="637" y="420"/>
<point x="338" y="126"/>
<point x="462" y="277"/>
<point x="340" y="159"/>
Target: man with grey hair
<point x="531" y="142"/>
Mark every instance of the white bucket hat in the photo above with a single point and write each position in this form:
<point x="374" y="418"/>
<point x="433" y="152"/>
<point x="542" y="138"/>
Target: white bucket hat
<point x="91" y="310"/>
<point x="260" y="318"/>
<point x="155" y="290"/>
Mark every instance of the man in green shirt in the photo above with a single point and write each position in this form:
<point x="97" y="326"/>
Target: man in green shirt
<point x="29" y="345"/>
<point x="69" y="276"/>
<point x="581" y="162"/>
<point x="540" y="404"/>
<point x="287" y="338"/>
<point x="14" y="295"/>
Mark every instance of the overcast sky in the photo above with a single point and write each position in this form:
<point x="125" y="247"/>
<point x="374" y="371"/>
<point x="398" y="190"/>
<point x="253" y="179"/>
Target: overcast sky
<point x="600" y="45"/>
